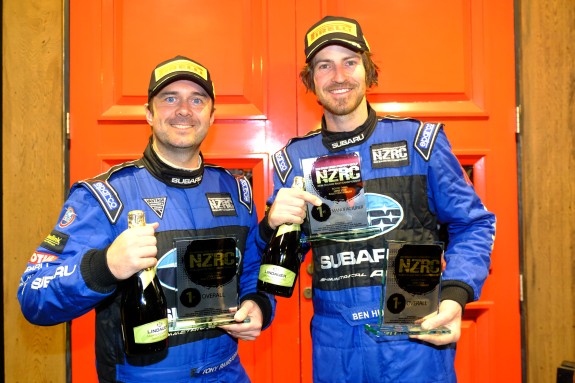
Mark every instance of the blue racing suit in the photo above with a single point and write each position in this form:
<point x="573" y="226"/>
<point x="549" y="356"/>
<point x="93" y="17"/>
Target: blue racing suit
<point x="411" y="176"/>
<point x="68" y="275"/>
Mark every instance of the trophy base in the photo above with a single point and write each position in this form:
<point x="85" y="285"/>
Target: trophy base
<point x="347" y="235"/>
<point x="202" y="323"/>
<point x="379" y="331"/>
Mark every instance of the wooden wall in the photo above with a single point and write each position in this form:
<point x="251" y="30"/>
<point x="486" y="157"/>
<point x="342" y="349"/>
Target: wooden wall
<point x="32" y="174"/>
<point x="33" y="178"/>
<point x="547" y="96"/>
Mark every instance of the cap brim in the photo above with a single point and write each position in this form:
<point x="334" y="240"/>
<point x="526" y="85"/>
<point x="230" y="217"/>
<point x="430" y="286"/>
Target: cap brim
<point x="176" y="77"/>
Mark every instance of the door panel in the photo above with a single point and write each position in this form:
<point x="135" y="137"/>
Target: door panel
<point x="114" y="46"/>
<point x="449" y="61"/>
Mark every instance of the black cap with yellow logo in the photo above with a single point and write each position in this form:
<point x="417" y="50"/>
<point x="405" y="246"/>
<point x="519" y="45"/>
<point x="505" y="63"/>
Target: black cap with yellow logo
<point x="180" y="68"/>
<point x="334" y="30"/>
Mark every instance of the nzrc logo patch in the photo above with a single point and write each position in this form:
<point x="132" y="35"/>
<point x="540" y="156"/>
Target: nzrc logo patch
<point x="221" y="204"/>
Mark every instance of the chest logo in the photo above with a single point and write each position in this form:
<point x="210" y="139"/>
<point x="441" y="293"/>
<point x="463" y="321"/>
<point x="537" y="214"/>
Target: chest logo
<point x="389" y="155"/>
<point x="383" y="212"/>
<point x="157" y="205"/>
<point x="221" y="204"/>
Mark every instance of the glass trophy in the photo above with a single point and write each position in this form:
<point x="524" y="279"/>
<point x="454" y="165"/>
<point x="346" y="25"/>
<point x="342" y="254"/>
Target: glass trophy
<point x="336" y="180"/>
<point x="410" y="289"/>
<point x="206" y="283"/>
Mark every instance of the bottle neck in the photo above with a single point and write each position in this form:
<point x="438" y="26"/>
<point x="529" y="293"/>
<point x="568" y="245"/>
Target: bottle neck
<point x="287" y="227"/>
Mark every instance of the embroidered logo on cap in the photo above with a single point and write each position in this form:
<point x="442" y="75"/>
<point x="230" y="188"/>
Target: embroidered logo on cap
<point x="181" y="66"/>
<point x="328" y="27"/>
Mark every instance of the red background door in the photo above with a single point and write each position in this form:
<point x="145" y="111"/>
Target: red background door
<point x="449" y="61"/>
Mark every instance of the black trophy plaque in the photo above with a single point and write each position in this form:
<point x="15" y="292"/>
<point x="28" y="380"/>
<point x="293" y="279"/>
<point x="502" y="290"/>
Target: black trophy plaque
<point x="207" y="283"/>
<point x="411" y="289"/>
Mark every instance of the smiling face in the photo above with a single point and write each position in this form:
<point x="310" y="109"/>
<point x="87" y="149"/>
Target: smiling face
<point x="180" y="116"/>
<point x="339" y="79"/>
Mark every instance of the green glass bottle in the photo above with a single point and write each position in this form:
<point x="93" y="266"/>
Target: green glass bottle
<point x="143" y="311"/>
<point x="281" y="260"/>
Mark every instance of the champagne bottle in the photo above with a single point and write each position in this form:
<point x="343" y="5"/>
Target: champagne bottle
<point x="281" y="260"/>
<point x="143" y="309"/>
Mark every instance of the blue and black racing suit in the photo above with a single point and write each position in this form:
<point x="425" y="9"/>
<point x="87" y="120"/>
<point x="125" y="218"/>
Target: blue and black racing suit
<point x="413" y="185"/>
<point x="68" y="275"/>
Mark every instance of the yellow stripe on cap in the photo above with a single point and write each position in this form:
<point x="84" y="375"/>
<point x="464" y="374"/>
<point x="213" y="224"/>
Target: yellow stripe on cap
<point x="331" y="27"/>
<point x="181" y="66"/>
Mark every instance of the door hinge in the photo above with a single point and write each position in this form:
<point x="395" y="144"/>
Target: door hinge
<point x="518" y="119"/>
<point x="67" y="124"/>
<point x="520" y="287"/>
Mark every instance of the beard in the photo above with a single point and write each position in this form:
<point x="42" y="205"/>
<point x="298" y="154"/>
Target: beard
<point x="340" y="106"/>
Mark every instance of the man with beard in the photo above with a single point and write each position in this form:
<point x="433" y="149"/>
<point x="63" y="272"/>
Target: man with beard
<point x="408" y="168"/>
<point x="83" y="262"/>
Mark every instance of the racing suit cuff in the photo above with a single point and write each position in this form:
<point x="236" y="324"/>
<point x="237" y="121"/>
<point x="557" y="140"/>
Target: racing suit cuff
<point x="96" y="273"/>
<point x="263" y="301"/>
<point x="455" y="293"/>
<point x="266" y="231"/>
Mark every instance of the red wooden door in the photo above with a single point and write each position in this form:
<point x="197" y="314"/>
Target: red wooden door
<point x="114" y="45"/>
<point x="449" y="60"/>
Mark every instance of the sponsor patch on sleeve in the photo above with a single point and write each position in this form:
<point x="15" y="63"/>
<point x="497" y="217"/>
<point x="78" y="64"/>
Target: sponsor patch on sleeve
<point x="221" y="204"/>
<point x="39" y="257"/>
<point x="245" y="193"/>
<point x="282" y="164"/>
<point x="425" y="138"/>
<point x="389" y="155"/>
<point x="55" y="241"/>
<point x="68" y="218"/>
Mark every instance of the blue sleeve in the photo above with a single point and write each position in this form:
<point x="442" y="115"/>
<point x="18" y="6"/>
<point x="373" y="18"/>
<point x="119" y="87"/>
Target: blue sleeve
<point x="67" y="275"/>
<point x="471" y="226"/>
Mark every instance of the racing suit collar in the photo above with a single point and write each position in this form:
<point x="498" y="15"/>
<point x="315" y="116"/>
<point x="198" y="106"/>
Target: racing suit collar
<point x="337" y="141"/>
<point x="169" y="175"/>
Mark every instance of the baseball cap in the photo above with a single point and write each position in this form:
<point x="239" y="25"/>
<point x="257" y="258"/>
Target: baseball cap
<point x="334" y="30"/>
<point x="180" y="68"/>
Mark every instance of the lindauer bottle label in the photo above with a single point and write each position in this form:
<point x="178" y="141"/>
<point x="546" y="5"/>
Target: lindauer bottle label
<point x="151" y="332"/>
<point x="276" y="275"/>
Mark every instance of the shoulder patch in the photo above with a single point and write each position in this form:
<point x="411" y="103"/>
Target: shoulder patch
<point x="281" y="161"/>
<point x="245" y="193"/>
<point x="425" y="138"/>
<point x="105" y="193"/>
<point x="107" y="196"/>
<point x="282" y="164"/>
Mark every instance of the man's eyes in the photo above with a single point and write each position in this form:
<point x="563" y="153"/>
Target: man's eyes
<point x="327" y="66"/>
<point x="195" y="101"/>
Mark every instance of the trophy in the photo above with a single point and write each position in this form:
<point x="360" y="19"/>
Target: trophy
<point x="207" y="283"/>
<point x="336" y="180"/>
<point x="410" y="289"/>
